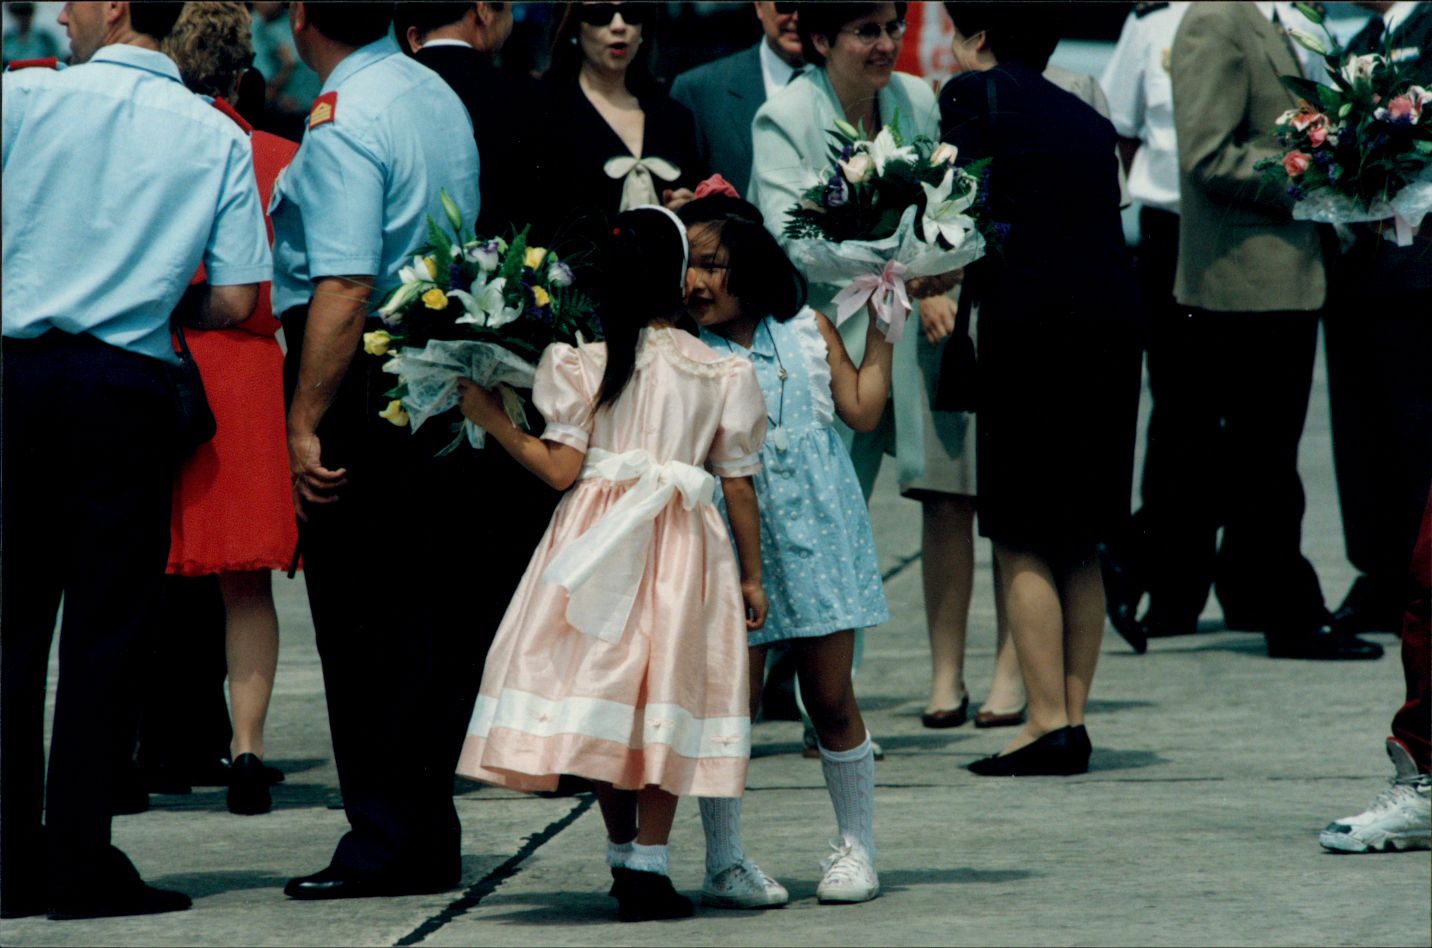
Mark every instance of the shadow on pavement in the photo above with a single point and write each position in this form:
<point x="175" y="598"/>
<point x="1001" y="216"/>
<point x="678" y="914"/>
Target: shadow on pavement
<point x="199" y="884"/>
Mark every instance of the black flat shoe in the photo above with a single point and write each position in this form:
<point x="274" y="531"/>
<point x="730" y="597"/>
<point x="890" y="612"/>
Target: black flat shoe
<point x="248" y="787"/>
<point x="951" y="717"/>
<point x="647" y="897"/>
<point x="1083" y="748"/>
<point x="1053" y="755"/>
<point x="335" y="883"/>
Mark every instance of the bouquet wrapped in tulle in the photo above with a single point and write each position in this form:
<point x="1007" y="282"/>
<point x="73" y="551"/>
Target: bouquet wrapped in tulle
<point x="1360" y="148"/>
<point x="477" y="308"/>
<point x="888" y="211"/>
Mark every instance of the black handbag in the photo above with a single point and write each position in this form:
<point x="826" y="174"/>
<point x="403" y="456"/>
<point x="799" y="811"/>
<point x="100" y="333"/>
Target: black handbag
<point x="957" y="386"/>
<point x="194" y="422"/>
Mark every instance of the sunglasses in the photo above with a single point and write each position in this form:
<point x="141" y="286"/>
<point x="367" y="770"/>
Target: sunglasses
<point x="869" y="33"/>
<point x="601" y="14"/>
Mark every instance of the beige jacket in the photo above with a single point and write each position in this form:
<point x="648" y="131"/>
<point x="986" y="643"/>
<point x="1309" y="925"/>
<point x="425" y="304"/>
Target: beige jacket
<point x="1239" y="248"/>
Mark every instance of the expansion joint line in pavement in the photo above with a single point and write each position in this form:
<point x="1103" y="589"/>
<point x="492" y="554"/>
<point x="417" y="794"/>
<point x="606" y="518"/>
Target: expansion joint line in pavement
<point x="489" y="883"/>
<point x="899" y="567"/>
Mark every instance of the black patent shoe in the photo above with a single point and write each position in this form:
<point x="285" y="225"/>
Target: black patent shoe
<point x="1083" y="748"/>
<point x="1326" y="642"/>
<point x="1053" y="755"/>
<point x="648" y="897"/>
<point x="248" y="787"/>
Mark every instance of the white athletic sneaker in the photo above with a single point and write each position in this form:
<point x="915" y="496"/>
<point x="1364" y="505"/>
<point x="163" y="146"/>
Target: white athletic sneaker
<point x="849" y="874"/>
<point x="1399" y="819"/>
<point x="743" y="886"/>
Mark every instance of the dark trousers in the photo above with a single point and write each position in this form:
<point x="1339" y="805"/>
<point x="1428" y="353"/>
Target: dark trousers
<point x="1413" y="723"/>
<point x="89" y="464"/>
<point x="408" y="575"/>
<point x="1380" y="393"/>
<point x="1225" y="450"/>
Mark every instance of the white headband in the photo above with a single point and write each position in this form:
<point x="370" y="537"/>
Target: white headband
<point x="680" y="229"/>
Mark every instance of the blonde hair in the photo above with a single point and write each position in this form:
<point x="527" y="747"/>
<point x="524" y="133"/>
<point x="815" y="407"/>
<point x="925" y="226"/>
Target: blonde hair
<point x="212" y="46"/>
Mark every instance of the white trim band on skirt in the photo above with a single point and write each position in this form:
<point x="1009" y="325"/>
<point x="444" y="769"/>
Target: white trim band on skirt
<point x="669" y="724"/>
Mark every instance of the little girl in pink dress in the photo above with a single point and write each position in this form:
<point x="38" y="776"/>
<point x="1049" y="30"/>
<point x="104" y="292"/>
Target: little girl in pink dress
<point x="622" y="657"/>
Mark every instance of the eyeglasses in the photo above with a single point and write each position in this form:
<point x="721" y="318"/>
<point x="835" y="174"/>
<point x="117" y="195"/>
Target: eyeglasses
<point x="785" y="9"/>
<point x="869" y="33"/>
<point x="601" y="14"/>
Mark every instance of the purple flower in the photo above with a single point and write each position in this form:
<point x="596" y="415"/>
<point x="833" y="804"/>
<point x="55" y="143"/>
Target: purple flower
<point x="559" y="274"/>
<point x="1322" y="158"/>
<point x="455" y="276"/>
<point x="847" y="152"/>
<point x="1335" y="172"/>
<point x="1295" y="192"/>
<point x="836" y="192"/>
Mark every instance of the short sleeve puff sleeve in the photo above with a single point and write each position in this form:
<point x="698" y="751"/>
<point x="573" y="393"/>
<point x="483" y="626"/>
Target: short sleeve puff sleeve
<point x="565" y="392"/>
<point x="736" y="450"/>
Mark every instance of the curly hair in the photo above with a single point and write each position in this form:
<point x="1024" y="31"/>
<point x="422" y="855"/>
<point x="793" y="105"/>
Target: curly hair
<point x="212" y="46"/>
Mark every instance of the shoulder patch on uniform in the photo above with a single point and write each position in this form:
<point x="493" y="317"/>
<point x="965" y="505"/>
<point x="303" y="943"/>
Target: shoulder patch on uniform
<point x="47" y="62"/>
<point x="325" y="109"/>
<point x="1144" y="9"/>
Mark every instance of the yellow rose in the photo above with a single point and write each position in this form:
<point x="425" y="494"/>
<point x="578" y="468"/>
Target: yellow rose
<point x="435" y="299"/>
<point x="432" y="267"/>
<point x="533" y="260"/>
<point x="394" y="413"/>
<point x="376" y="343"/>
<point x="541" y="296"/>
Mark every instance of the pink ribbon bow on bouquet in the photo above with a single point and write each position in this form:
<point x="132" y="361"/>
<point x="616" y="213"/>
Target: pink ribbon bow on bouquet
<point x="886" y="291"/>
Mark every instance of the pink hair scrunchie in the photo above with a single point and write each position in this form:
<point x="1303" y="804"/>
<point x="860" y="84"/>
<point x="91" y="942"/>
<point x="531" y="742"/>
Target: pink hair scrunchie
<point x="715" y="185"/>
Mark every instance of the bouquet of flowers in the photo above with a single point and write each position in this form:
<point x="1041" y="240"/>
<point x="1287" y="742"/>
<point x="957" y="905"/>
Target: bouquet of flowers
<point x="888" y="210"/>
<point x="469" y="307"/>
<point x="1359" y="149"/>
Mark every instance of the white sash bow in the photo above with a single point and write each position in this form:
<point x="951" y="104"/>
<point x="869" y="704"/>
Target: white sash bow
<point x="617" y="543"/>
<point x="638" y="188"/>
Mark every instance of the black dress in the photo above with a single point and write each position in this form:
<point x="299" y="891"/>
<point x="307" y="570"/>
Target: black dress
<point x="580" y="198"/>
<point x="1059" y="366"/>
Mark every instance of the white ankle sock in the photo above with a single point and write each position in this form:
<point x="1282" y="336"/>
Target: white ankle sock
<point x="721" y="819"/>
<point x="618" y="854"/>
<point x="850" y="778"/>
<point x="649" y="859"/>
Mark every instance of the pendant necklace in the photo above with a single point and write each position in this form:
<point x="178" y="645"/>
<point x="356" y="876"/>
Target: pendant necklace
<point x="776" y="434"/>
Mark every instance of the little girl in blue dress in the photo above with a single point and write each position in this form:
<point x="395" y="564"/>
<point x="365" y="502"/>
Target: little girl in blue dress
<point x="817" y="548"/>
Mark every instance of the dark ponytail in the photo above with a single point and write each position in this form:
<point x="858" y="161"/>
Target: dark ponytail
<point x="645" y="275"/>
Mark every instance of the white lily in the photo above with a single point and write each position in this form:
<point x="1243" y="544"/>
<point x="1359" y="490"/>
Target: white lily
<point x="419" y="272"/>
<point x="404" y="295"/>
<point x="945" y="217"/>
<point x="883" y="149"/>
<point x="484" y="306"/>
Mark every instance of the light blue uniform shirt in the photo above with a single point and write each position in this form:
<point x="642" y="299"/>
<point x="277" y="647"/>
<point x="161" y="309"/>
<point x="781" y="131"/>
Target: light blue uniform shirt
<point x="356" y="199"/>
<point x="118" y="181"/>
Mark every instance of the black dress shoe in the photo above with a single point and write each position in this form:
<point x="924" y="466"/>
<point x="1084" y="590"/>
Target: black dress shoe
<point x="950" y="717"/>
<point x="248" y="787"/>
<point x="1162" y="624"/>
<point x="1121" y="598"/>
<point x="116" y="890"/>
<point x="647" y="897"/>
<point x="1370" y="607"/>
<point x="1053" y="755"/>
<point x="23" y="904"/>
<point x="335" y="883"/>
<point x="1325" y="642"/>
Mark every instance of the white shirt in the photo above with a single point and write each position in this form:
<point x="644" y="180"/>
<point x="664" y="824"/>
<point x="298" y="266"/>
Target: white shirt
<point x="447" y="42"/>
<point x="1140" y="94"/>
<point x="774" y="70"/>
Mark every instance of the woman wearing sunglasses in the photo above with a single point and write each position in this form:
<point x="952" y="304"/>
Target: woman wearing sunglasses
<point x="616" y="140"/>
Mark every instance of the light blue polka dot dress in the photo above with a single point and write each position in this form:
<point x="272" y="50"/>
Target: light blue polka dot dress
<point x="817" y="550"/>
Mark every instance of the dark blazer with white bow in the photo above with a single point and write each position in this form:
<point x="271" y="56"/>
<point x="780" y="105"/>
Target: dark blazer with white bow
<point x="723" y="96"/>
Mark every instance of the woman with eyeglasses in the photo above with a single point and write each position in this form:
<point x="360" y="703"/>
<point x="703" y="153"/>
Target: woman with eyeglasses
<point x="854" y="47"/>
<point x="615" y="139"/>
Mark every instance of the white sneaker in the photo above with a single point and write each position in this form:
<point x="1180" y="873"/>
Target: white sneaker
<point x="849" y="874"/>
<point x="1399" y="819"/>
<point x="743" y="886"/>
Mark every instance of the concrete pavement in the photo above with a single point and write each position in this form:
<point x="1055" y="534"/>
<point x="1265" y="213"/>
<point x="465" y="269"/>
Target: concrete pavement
<point x="1214" y="768"/>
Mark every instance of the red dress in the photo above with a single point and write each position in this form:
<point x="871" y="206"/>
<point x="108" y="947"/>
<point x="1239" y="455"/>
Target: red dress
<point x="233" y="504"/>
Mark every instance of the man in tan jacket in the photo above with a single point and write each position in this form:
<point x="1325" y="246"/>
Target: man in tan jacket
<point x="1252" y="282"/>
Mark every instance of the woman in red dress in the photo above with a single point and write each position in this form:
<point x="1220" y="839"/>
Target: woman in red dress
<point x="233" y="510"/>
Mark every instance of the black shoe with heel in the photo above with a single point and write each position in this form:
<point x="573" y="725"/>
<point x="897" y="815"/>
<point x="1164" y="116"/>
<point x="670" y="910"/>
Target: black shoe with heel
<point x="1056" y="754"/>
<point x="248" y="786"/>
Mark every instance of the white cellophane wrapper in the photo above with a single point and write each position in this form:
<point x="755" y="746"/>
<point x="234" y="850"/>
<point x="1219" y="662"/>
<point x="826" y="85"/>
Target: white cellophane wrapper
<point x="839" y="263"/>
<point x="1407" y="207"/>
<point x="431" y="375"/>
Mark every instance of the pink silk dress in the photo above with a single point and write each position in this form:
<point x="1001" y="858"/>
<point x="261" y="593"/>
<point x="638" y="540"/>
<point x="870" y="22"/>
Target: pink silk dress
<point x="652" y="688"/>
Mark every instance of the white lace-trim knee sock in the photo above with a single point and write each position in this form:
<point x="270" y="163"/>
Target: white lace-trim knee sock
<point x="850" y="778"/>
<point x="721" y="819"/>
<point x="649" y="859"/>
<point x="618" y="854"/>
